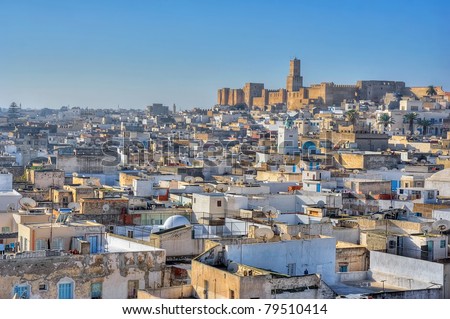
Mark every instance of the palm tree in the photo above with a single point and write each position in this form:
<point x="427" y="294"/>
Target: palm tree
<point x="431" y="90"/>
<point x="352" y="116"/>
<point x="410" y="118"/>
<point x="425" y="124"/>
<point x="385" y="120"/>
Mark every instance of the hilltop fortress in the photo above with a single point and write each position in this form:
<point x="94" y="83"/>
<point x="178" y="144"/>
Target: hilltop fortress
<point x="296" y="96"/>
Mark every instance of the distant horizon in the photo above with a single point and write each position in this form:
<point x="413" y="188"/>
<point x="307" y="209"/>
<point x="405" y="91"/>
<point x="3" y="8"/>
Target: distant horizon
<point x="107" y="53"/>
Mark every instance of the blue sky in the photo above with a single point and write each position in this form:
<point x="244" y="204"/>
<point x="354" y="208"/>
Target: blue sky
<point x="134" y="53"/>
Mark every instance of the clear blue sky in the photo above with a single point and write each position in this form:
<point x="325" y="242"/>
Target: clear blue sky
<point x="134" y="53"/>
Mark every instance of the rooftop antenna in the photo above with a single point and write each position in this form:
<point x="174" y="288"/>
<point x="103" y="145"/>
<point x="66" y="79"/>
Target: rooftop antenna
<point x="281" y="179"/>
<point x="221" y="188"/>
<point x="264" y="233"/>
<point x="425" y="229"/>
<point x="74" y="206"/>
<point x="26" y="203"/>
<point x="208" y="188"/>
<point x="270" y="212"/>
<point x="198" y="179"/>
<point x="227" y="180"/>
<point x="189" y="179"/>
<point x="105" y="208"/>
<point x="325" y="220"/>
<point x="442" y="225"/>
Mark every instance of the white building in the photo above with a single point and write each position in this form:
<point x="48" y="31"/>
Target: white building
<point x="9" y="198"/>
<point x="411" y="105"/>
<point x="440" y="181"/>
<point x="288" y="140"/>
<point x="292" y="257"/>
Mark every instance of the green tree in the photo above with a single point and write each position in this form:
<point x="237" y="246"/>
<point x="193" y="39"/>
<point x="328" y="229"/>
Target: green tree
<point x="385" y="120"/>
<point x="431" y="90"/>
<point x="425" y="124"/>
<point x="410" y="118"/>
<point x="352" y="116"/>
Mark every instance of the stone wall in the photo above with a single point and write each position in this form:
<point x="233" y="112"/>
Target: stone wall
<point x="113" y="270"/>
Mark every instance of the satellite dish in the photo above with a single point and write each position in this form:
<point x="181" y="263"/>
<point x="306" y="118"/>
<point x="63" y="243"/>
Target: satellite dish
<point x="378" y="216"/>
<point x="355" y="171"/>
<point x="4" y="171"/>
<point x="221" y="188"/>
<point x="227" y="180"/>
<point x="264" y="233"/>
<point x="233" y="267"/>
<point x="282" y="169"/>
<point x="426" y="229"/>
<point x="281" y="179"/>
<point x="74" y="206"/>
<point x="27" y="203"/>
<point x="198" y="179"/>
<point x="321" y="203"/>
<point x="238" y="180"/>
<point x="270" y="212"/>
<point x="189" y="179"/>
<point x="285" y="237"/>
<point x="403" y="197"/>
<point x="441" y="225"/>
<point x="208" y="188"/>
<point x="105" y="207"/>
<point x="325" y="220"/>
<point x="11" y="207"/>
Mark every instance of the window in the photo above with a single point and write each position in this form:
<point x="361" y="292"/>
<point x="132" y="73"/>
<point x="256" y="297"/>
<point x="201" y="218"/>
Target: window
<point x="5" y="229"/>
<point x="41" y="244"/>
<point x="96" y="290"/>
<point x="58" y="243"/>
<point x="93" y="244"/>
<point x="133" y="286"/>
<point x="219" y="203"/>
<point x="65" y="290"/>
<point x="343" y="268"/>
<point x="442" y="245"/>
<point x="231" y="293"/>
<point x="43" y="287"/>
<point x="22" y="291"/>
<point x="392" y="244"/>
<point x="291" y="269"/>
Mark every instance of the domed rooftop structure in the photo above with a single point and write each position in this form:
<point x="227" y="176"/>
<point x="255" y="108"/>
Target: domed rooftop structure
<point x="441" y="176"/>
<point x="175" y="221"/>
<point x="440" y="181"/>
